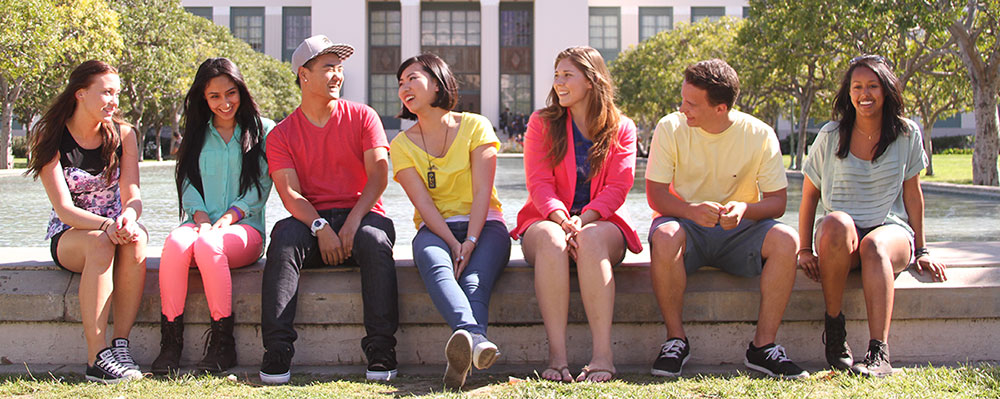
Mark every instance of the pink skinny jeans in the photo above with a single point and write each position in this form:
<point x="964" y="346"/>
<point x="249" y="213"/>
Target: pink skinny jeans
<point x="214" y="252"/>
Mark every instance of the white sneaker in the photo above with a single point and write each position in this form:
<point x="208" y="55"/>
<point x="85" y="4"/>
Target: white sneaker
<point x="458" y="351"/>
<point x="484" y="352"/>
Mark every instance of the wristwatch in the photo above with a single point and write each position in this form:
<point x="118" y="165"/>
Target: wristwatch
<point x="318" y="225"/>
<point x="471" y="239"/>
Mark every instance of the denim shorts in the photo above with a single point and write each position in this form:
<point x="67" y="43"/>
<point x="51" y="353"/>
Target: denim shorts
<point x="735" y="251"/>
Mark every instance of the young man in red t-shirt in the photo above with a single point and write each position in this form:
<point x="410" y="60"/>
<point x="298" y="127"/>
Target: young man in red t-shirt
<point x="330" y="164"/>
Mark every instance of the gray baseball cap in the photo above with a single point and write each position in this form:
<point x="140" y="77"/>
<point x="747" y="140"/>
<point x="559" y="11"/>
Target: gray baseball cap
<point x="316" y="46"/>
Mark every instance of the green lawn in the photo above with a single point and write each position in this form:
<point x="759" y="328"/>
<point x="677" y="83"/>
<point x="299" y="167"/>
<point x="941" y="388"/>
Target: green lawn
<point x="950" y="168"/>
<point x="981" y="381"/>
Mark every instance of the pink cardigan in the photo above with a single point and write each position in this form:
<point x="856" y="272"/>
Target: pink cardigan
<point x="551" y="189"/>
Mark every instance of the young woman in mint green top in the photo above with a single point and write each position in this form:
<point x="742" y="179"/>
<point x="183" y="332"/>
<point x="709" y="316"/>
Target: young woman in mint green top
<point x="865" y="170"/>
<point x="222" y="185"/>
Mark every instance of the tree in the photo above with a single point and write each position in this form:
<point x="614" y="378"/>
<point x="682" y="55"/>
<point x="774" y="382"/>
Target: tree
<point x="943" y="90"/>
<point x="799" y="46"/>
<point x="977" y="33"/>
<point x="43" y="39"/>
<point x="649" y="76"/>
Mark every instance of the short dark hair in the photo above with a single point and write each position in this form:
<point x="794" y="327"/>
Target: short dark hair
<point x="447" y="95"/>
<point x="308" y="65"/>
<point x="717" y="78"/>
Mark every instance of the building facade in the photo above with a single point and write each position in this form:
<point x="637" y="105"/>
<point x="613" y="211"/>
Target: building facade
<point x="502" y="52"/>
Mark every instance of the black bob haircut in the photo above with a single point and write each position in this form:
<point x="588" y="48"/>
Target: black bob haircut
<point x="447" y="95"/>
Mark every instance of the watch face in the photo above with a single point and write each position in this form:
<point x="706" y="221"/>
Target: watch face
<point x="317" y="224"/>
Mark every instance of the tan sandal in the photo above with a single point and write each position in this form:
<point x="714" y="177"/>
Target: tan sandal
<point x="587" y="371"/>
<point x="562" y="373"/>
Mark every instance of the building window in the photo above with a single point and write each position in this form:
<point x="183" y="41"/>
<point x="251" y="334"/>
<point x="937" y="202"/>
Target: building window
<point x="247" y="24"/>
<point x="955" y="121"/>
<point x="605" y="31"/>
<point x="516" y="27"/>
<point x="383" y="60"/>
<point x="712" y="14"/>
<point x="653" y="20"/>
<point x="746" y="12"/>
<point x="204" y="12"/>
<point x="449" y="27"/>
<point x="296" y="25"/>
<point x="452" y="31"/>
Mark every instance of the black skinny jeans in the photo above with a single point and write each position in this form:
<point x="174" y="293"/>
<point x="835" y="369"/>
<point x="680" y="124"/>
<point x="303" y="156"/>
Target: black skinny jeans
<point x="293" y="247"/>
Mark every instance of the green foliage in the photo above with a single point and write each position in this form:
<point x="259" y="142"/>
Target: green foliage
<point x="649" y="75"/>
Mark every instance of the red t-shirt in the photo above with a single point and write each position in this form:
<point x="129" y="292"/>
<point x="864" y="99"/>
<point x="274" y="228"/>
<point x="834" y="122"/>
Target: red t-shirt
<point x="329" y="160"/>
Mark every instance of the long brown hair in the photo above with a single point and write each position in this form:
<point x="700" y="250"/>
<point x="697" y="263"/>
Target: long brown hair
<point x="47" y="134"/>
<point x="602" y="114"/>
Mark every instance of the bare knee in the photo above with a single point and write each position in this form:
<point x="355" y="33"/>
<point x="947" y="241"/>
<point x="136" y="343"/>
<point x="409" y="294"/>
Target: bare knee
<point x="836" y="229"/>
<point x="668" y="239"/>
<point x="543" y="239"/>
<point x="781" y="240"/>
<point x="873" y="251"/>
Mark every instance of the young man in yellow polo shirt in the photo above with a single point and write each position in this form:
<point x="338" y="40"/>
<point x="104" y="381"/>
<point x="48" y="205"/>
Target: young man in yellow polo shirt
<point x="716" y="180"/>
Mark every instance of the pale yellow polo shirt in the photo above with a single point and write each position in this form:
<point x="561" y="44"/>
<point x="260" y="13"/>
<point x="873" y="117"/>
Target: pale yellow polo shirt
<point x="736" y="165"/>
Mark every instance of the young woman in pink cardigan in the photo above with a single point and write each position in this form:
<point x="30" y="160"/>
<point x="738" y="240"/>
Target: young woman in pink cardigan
<point x="579" y="161"/>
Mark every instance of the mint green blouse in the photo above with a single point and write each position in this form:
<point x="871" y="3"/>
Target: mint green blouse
<point x="220" y="164"/>
<point x="871" y="192"/>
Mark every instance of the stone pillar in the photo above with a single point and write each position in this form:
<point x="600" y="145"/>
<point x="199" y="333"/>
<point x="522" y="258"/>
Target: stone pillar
<point x="326" y="20"/>
<point x="220" y="15"/>
<point x="489" y="94"/>
<point x="409" y="25"/>
<point x="273" y="31"/>
<point x="682" y="13"/>
<point x="629" y="27"/>
<point x="572" y="26"/>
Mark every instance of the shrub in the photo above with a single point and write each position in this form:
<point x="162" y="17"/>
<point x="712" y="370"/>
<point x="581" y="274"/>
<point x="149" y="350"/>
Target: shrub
<point x="20" y="147"/>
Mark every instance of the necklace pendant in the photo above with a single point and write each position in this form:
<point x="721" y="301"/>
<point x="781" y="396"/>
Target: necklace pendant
<point x="431" y="180"/>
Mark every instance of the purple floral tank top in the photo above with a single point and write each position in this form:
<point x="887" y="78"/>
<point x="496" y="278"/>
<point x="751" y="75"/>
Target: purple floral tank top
<point x="90" y="191"/>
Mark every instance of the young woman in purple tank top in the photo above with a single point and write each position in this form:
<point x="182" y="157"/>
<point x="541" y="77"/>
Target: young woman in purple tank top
<point x="87" y="158"/>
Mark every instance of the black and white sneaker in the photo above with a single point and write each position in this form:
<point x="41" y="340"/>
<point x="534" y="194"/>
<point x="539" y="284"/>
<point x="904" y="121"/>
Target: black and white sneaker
<point x="119" y="347"/>
<point x="381" y="363"/>
<point x="771" y="360"/>
<point x="673" y="355"/>
<point x="108" y="370"/>
<point x="274" y="368"/>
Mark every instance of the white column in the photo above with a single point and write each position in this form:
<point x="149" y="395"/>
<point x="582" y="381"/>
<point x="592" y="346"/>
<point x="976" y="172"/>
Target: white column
<point x="682" y="14"/>
<point x="272" y="31"/>
<point x="630" y="27"/>
<point x="572" y="30"/>
<point x="734" y="11"/>
<point x="409" y="25"/>
<point x="220" y="15"/>
<point x="489" y="59"/>
<point x="346" y="22"/>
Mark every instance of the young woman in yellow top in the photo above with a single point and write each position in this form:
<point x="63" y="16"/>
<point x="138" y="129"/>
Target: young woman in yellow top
<point x="446" y="164"/>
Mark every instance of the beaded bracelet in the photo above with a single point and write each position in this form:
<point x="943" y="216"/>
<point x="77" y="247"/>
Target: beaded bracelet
<point x="238" y="212"/>
<point x="922" y="251"/>
<point x="107" y="222"/>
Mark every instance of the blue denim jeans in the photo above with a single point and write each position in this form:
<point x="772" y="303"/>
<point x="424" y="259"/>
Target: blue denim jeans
<point x="464" y="302"/>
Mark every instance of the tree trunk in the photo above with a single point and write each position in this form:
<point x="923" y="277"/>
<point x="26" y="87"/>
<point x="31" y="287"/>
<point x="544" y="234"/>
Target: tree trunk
<point x="156" y="135"/>
<point x="984" y="156"/>
<point x="9" y="91"/>
<point x="803" y="121"/>
<point x="928" y="148"/>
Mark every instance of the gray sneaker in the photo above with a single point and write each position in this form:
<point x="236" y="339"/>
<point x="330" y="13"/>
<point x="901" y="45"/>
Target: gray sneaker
<point x="484" y="352"/>
<point x="876" y="363"/>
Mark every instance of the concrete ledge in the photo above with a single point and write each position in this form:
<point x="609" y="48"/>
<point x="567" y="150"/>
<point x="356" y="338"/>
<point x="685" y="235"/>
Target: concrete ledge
<point x="39" y="309"/>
